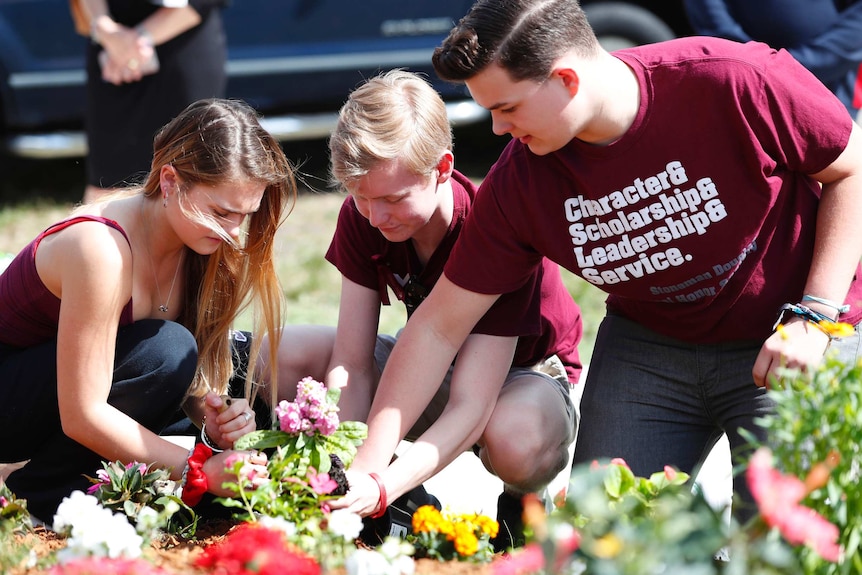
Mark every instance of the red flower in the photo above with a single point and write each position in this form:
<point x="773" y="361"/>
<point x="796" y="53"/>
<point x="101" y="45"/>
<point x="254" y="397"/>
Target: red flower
<point x="253" y="549"/>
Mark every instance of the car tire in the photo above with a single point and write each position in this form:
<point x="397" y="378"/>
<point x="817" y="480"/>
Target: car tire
<point x="623" y="25"/>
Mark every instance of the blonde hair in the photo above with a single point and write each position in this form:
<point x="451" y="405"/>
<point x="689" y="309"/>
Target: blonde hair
<point x="213" y="142"/>
<point x="394" y="115"/>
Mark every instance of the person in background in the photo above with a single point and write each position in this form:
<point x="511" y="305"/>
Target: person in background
<point x="825" y="36"/>
<point x="147" y="60"/>
<point x="115" y="316"/>
<point x="391" y="151"/>
<point x="709" y="187"/>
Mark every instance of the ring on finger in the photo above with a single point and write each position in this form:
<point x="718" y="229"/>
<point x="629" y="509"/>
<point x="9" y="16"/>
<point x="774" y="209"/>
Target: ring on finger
<point x="132" y="64"/>
<point x="247" y="416"/>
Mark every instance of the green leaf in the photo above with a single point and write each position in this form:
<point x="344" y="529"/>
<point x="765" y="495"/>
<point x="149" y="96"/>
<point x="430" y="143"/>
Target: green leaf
<point x="261" y="439"/>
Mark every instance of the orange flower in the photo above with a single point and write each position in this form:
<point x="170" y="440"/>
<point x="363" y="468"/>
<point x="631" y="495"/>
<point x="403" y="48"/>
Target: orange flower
<point x="466" y="542"/>
<point x="428" y="519"/>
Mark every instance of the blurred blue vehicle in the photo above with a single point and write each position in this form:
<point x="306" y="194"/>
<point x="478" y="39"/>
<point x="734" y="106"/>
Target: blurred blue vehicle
<point x="295" y="61"/>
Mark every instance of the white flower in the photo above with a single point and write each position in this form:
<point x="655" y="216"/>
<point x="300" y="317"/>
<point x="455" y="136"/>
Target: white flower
<point x="394" y="548"/>
<point x="345" y="523"/>
<point x="75" y="509"/>
<point x="148" y="520"/>
<point x="287" y="527"/>
<point x="367" y="562"/>
<point x="94" y="530"/>
<point x="391" y="558"/>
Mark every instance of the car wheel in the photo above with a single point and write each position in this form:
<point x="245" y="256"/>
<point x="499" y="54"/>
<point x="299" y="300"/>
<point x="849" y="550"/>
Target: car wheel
<point x="623" y="25"/>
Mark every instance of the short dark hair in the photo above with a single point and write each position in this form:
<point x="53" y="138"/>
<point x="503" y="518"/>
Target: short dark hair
<point x="525" y="37"/>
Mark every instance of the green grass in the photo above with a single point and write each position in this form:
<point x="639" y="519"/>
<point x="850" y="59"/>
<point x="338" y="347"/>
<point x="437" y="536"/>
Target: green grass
<point x="311" y="285"/>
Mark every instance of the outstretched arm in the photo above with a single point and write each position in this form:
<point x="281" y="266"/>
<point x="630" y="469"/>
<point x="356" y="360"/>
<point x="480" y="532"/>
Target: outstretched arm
<point x="416" y="369"/>
<point x="837" y="252"/>
<point x="480" y="370"/>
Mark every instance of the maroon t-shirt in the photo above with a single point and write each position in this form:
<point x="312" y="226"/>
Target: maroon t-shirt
<point x="29" y="313"/>
<point x="540" y="311"/>
<point x="699" y="221"/>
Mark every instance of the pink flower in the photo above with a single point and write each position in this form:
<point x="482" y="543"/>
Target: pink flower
<point x="778" y="498"/>
<point x="289" y="417"/>
<point x="322" y="484"/>
<point x="104" y="479"/>
<point x="528" y="559"/>
<point x="310" y="413"/>
<point x="801" y="525"/>
<point x="669" y="473"/>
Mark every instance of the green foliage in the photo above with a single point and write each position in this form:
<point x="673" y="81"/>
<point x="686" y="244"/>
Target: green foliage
<point x="817" y="422"/>
<point x="628" y="525"/>
<point x="296" y="453"/>
<point x="14" y="522"/>
<point x="293" y="459"/>
<point x="131" y="489"/>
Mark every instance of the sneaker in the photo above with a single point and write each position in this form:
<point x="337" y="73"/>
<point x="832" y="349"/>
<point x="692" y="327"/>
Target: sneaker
<point x="398" y="519"/>
<point x="510" y="516"/>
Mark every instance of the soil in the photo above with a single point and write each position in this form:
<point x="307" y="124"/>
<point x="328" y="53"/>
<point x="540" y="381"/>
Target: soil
<point x="177" y="556"/>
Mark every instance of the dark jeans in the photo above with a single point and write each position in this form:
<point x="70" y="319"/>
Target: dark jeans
<point x="656" y="401"/>
<point x="154" y="366"/>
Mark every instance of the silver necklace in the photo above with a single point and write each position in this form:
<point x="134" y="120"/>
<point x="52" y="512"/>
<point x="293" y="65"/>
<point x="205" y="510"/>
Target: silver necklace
<point x="164" y="307"/>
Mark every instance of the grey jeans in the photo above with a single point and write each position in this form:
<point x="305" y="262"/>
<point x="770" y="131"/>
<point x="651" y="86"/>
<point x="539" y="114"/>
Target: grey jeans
<point x="655" y="401"/>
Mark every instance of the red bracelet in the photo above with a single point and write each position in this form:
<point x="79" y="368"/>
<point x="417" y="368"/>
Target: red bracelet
<point x="196" y="482"/>
<point x="383" y="503"/>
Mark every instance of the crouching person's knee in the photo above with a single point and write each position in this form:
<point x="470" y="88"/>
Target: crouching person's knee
<point x="155" y="366"/>
<point x="526" y="470"/>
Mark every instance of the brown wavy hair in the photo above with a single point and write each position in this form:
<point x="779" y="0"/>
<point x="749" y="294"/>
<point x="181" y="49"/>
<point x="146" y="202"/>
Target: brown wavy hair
<point x="213" y="142"/>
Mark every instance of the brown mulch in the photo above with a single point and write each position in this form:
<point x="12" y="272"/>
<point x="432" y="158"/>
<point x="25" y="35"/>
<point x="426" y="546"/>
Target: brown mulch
<point x="177" y="555"/>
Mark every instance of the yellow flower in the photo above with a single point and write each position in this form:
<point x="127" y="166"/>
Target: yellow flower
<point x="428" y="519"/>
<point x="466" y="543"/>
<point x="608" y="547"/>
<point x="837" y="329"/>
<point x="487" y="525"/>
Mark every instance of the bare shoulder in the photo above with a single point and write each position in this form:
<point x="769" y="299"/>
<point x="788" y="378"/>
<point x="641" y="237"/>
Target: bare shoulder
<point x="88" y="251"/>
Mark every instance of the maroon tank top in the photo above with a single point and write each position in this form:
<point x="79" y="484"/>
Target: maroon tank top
<point x="29" y="312"/>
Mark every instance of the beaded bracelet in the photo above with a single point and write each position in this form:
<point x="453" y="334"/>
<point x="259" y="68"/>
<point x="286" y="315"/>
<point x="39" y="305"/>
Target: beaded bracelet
<point x="383" y="502"/>
<point x="195" y="482"/>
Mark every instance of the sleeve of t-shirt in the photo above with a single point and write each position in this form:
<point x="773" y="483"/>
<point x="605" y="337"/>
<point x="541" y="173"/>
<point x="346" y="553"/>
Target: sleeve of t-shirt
<point x="352" y="247"/>
<point x="796" y="119"/>
<point x="516" y="313"/>
<point x="493" y="254"/>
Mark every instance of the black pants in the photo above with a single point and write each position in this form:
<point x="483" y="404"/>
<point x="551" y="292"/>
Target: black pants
<point x="154" y="366"/>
